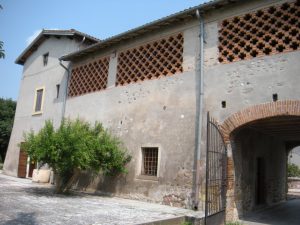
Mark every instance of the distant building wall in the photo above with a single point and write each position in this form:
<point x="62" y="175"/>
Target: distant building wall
<point x="294" y="156"/>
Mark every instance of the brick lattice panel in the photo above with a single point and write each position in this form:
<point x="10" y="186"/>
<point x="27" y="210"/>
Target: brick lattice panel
<point x="150" y="61"/>
<point x="264" y="32"/>
<point x="89" y="77"/>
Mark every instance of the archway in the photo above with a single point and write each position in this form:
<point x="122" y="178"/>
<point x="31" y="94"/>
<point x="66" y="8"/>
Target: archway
<point x="259" y="139"/>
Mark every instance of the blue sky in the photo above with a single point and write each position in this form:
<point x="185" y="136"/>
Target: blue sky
<point x="20" y="21"/>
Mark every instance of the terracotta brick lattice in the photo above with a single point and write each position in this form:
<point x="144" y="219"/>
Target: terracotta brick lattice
<point x="150" y="61"/>
<point x="265" y="32"/>
<point x="89" y="77"/>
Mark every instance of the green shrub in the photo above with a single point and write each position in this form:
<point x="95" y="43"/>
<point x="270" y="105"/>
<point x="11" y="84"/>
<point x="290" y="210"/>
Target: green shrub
<point x="293" y="170"/>
<point x="76" y="146"/>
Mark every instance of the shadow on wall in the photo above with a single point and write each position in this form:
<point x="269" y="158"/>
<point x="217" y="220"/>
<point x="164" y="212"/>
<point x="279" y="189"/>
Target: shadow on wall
<point x="106" y="185"/>
<point x="259" y="164"/>
<point x="22" y="218"/>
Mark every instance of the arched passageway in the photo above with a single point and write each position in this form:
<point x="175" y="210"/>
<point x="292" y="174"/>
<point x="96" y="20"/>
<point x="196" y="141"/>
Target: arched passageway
<point x="259" y="139"/>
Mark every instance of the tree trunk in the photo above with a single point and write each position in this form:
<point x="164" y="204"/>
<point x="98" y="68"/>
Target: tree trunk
<point x="64" y="184"/>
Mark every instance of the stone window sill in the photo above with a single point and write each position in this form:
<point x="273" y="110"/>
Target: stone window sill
<point x="148" y="178"/>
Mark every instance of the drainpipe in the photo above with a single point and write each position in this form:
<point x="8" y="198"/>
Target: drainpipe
<point x="66" y="89"/>
<point x="197" y="154"/>
<point x="81" y="43"/>
<point x="67" y="82"/>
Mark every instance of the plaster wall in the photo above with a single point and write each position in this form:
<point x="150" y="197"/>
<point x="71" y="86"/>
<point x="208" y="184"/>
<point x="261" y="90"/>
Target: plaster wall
<point x="154" y="113"/>
<point x="36" y="75"/>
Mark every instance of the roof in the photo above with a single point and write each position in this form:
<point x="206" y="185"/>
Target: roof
<point x="149" y="27"/>
<point x="56" y="33"/>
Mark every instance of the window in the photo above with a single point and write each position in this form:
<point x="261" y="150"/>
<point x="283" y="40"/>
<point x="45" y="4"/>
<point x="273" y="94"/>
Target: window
<point x="57" y="90"/>
<point x="150" y="161"/>
<point x="38" y="100"/>
<point x="45" y="58"/>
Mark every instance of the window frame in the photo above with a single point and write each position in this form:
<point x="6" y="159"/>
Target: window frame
<point x="57" y="91"/>
<point x="45" y="59"/>
<point x="141" y="173"/>
<point x="35" y="101"/>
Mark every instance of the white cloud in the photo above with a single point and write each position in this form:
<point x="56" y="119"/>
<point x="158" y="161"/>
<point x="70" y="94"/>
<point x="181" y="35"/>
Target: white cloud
<point x="32" y="37"/>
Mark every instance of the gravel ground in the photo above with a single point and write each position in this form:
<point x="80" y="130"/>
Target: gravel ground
<point x="27" y="203"/>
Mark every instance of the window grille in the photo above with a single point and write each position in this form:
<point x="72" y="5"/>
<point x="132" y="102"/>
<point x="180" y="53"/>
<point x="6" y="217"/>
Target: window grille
<point x="265" y="32"/>
<point x="150" y="161"/>
<point x="150" y="61"/>
<point x="89" y="77"/>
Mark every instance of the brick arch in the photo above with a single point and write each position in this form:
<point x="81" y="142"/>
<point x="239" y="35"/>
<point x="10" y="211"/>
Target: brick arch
<point x="256" y="112"/>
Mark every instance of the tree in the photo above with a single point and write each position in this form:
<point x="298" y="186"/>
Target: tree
<point x="7" y="113"/>
<point x="293" y="170"/>
<point x="76" y="146"/>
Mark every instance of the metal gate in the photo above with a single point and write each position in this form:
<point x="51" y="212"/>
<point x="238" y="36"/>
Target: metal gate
<point x="216" y="164"/>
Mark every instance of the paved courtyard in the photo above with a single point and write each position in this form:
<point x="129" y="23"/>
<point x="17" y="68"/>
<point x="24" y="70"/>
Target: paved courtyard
<point x="285" y="213"/>
<point x="24" y="202"/>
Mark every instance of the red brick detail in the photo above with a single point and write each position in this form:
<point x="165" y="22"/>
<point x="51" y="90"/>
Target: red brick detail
<point x="89" y="77"/>
<point x="161" y="58"/>
<point x="259" y="33"/>
<point x="256" y="112"/>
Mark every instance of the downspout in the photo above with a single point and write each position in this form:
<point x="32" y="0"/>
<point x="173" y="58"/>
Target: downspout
<point x="66" y="89"/>
<point x="197" y="154"/>
<point x="67" y="83"/>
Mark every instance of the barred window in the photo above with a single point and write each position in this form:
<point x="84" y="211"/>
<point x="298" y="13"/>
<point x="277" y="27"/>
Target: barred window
<point x="267" y="31"/>
<point x="160" y="58"/>
<point x="150" y="161"/>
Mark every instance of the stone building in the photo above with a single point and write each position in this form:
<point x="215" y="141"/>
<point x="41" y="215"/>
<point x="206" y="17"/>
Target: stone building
<point x="153" y="86"/>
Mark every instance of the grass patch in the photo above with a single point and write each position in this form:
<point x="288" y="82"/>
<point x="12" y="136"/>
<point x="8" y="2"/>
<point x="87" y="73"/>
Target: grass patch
<point x="234" y="223"/>
<point x="186" y="223"/>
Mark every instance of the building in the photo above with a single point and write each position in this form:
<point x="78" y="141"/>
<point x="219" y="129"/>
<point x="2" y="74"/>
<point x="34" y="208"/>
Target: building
<point x="294" y="156"/>
<point x="153" y="86"/>
<point x="42" y="90"/>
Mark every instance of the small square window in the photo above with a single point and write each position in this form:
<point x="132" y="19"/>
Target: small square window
<point x="45" y="58"/>
<point x="38" y="101"/>
<point x="150" y="161"/>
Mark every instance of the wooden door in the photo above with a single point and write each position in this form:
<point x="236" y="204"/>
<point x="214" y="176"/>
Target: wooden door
<point x="22" y="164"/>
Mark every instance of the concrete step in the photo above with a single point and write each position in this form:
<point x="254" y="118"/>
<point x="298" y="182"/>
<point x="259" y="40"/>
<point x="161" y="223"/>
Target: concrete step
<point x="180" y="220"/>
